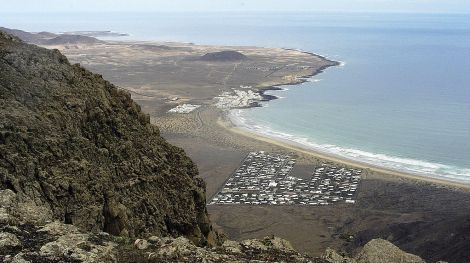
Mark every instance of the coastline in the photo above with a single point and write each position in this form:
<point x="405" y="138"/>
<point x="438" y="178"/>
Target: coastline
<point x="294" y="76"/>
<point x="300" y="80"/>
<point x="229" y="126"/>
<point x="297" y="76"/>
<point x="390" y="204"/>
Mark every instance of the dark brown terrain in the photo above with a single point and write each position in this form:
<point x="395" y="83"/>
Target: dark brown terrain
<point x="428" y="219"/>
<point x="70" y="39"/>
<point x="226" y="55"/>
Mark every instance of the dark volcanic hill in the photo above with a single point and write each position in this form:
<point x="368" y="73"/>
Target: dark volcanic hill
<point x="27" y="36"/>
<point x="227" y="55"/>
<point x="71" y="39"/>
<point x="76" y="144"/>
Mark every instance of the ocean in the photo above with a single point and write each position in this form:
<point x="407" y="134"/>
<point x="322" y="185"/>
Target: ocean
<point x="401" y="98"/>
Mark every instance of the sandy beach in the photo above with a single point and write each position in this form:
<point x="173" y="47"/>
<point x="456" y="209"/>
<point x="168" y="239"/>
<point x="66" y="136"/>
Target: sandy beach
<point x="162" y="76"/>
<point x="297" y="147"/>
<point x="386" y="199"/>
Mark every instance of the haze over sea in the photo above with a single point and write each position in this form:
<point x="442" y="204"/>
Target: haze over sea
<point x="401" y="101"/>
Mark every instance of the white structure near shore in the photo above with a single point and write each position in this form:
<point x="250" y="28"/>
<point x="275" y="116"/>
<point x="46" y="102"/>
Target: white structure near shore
<point x="184" y="108"/>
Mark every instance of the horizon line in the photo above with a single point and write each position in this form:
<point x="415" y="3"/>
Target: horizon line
<point x="241" y="11"/>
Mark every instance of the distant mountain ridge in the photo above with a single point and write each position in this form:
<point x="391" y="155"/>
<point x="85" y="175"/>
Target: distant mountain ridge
<point x="47" y="38"/>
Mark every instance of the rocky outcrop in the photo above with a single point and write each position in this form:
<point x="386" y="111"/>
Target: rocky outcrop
<point x="441" y="237"/>
<point x="79" y="148"/>
<point x="375" y="251"/>
<point x="28" y="237"/>
<point x="379" y="250"/>
<point x="58" y="242"/>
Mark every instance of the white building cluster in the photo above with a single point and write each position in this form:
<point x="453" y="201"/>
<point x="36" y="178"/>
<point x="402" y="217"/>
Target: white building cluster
<point x="264" y="179"/>
<point x="184" y="108"/>
<point x="237" y="99"/>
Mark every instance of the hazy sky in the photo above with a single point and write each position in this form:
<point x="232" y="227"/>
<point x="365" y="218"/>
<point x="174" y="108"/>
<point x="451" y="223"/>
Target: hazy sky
<point x="443" y="6"/>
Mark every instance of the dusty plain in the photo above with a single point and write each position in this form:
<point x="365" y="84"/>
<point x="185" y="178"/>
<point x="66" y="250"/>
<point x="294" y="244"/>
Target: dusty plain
<point x="426" y="217"/>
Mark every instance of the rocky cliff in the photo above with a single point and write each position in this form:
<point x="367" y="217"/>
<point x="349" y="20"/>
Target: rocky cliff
<point x="27" y="238"/>
<point x="79" y="147"/>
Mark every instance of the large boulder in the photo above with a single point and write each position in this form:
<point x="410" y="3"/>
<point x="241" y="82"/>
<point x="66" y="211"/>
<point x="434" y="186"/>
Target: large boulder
<point x="16" y="209"/>
<point x="8" y="240"/>
<point x="379" y="250"/>
<point x="375" y="251"/>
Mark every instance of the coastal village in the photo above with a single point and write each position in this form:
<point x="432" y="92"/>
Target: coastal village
<point x="226" y="100"/>
<point x="265" y="179"/>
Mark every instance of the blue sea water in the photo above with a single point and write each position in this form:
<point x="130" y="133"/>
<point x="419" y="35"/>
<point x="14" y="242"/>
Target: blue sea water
<point x="401" y="100"/>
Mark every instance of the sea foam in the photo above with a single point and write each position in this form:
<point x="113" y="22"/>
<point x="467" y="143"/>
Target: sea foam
<point x="401" y="164"/>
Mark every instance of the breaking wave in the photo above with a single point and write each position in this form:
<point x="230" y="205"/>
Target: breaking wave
<point x="408" y="165"/>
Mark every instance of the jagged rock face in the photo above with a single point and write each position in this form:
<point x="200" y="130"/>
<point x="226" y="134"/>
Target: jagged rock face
<point x="56" y="242"/>
<point x="80" y="147"/>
